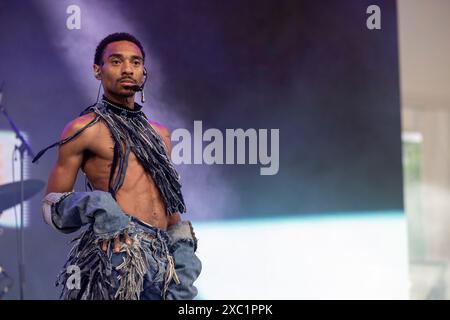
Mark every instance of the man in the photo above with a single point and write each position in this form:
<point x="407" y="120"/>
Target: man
<point x="136" y="245"/>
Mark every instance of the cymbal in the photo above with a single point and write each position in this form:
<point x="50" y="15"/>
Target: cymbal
<point x="10" y="192"/>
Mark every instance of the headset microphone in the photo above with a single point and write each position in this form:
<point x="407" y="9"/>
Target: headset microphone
<point x="137" y="88"/>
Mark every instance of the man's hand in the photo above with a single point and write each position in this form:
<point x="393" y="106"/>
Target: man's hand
<point x="126" y="238"/>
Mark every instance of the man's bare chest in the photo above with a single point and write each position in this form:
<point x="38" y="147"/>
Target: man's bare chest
<point x="99" y="155"/>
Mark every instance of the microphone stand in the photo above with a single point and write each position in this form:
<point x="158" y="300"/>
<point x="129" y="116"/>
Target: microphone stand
<point x="24" y="146"/>
<point x="8" y="285"/>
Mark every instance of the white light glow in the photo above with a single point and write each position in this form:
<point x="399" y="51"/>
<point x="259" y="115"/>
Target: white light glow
<point x="329" y="257"/>
<point x="8" y="141"/>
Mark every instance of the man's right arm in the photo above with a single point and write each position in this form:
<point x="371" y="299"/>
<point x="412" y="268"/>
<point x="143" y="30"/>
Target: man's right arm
<point x="70" y="156"/>
<point x="64" y="173"/>
<point x="66" y="210"/>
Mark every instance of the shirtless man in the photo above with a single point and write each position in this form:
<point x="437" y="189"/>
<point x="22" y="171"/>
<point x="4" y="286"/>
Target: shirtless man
<point x="92" y="151"/>
<point x="119" y="65"/>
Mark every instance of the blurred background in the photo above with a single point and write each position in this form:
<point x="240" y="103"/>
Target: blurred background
<point x="357" y="208"/>
<point x="425" y="83"/>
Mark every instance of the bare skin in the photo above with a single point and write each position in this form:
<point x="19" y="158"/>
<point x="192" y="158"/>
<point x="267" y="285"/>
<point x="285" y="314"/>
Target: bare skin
<point x="92" y="150"/>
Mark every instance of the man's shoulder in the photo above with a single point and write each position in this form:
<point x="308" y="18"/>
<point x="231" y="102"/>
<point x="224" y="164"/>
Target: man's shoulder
<point x="77" y="124"/>
<point x="161" y="129"/>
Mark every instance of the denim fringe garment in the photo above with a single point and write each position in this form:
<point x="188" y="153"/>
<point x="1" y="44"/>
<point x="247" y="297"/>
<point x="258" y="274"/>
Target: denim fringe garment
<point x="96" y="269"/>
<point x="158" y="264"/>
<point x="130" y="128"/>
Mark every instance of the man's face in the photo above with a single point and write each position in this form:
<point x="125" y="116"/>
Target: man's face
<point x="123" y="67"/>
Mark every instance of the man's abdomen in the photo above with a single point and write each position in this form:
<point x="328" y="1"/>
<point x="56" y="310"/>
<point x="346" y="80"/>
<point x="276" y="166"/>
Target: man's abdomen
<point x="139" y="196"/>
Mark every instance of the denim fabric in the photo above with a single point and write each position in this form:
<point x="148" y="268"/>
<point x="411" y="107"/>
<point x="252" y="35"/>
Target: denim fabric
<point x="188" y="266"/>
<point x="72" y="210"/>
<point x="158" y="265"/>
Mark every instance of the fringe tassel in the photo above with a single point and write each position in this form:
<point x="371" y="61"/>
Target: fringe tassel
<point x="95" y="266"/>
<point x="133" y="270"/>
<point x="170" y="274"/>
<point x="88" y="256"/>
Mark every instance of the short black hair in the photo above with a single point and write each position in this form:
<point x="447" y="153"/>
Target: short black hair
<point x="118" y="36"/>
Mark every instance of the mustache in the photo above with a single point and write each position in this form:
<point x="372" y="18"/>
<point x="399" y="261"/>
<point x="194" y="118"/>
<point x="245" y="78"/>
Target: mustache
<point x="128" y="79"/>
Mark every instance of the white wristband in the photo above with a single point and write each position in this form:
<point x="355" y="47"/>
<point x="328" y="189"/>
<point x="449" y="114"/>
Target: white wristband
<point x="47" y="203"/>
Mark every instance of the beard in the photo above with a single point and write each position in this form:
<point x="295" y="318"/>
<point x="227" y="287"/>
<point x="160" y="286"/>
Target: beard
<point x="121" y="92"/>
